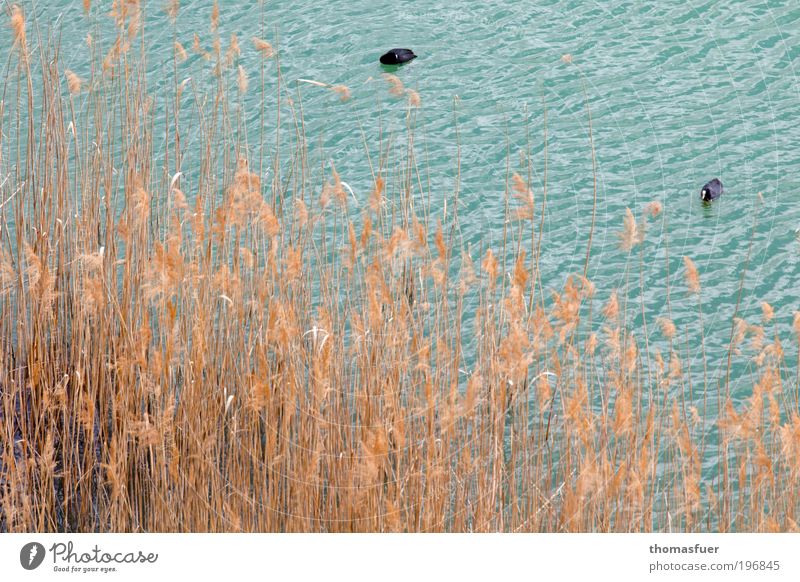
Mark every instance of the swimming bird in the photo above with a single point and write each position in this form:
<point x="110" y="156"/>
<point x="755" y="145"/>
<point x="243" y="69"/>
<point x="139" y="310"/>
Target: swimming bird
<point x="398" y="56"/>
<point x="711" y="191"/>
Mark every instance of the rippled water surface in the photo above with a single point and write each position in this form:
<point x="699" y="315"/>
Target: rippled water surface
<point x="680" y="92"/>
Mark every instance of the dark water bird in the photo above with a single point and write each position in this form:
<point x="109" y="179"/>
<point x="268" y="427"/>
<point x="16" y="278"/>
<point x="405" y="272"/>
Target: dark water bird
<point x="711" y="191"/>
<point x="398" y="56"/>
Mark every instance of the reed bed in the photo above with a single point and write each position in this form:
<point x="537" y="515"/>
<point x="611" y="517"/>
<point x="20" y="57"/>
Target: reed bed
<point x="259" y="349"/>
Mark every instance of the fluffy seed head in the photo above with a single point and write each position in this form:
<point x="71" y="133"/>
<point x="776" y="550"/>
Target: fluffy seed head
<point x="241" y="80"/>
<point x="667" y="327"/>
<point x="342" y="91"/>
<point x="767" y="313"/>
<point x="215" y="16"/>
<point x="653" y="208"/>
<point x="611" y="309"/>
<point x="180" y="52"/>
<point x="395" y="84"/>
<point x="73" y="82"/>
<point x="172" y="8"/>
<point x="263" y="47"/>
<point x="18" y="25"/>
<point x="630" y="235"/>
<point x="692" y="276"/>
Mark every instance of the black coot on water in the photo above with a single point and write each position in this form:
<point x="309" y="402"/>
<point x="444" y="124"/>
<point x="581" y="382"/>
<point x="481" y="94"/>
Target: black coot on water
<point x="711" y="191"/>
<point x="398" y="56"/>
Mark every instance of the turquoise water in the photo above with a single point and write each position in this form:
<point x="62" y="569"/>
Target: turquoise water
<point x="680" y="92"/>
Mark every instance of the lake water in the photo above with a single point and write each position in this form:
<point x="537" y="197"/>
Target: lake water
<point x="680" y="92"/>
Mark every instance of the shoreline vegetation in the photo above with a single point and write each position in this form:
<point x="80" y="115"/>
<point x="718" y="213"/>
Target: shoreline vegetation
<point x="259" y="349"/>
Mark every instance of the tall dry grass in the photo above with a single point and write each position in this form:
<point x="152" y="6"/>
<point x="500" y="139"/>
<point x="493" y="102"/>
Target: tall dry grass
<point x="231" y="353"/>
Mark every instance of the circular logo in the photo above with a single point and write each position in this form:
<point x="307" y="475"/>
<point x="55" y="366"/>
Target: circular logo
<point x="31" y="555"/>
